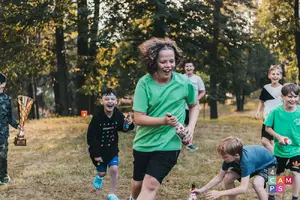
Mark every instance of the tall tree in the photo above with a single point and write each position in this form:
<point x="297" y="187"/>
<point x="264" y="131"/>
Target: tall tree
<point x="61" y="75"/>
<point x="279" y="29"/>
<point x="297" y="34"/>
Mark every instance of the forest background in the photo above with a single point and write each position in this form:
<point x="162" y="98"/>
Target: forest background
<point x="62" y="53"/>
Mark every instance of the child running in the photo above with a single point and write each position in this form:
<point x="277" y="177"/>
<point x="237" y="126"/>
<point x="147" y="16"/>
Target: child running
<point x="102" y="138"/>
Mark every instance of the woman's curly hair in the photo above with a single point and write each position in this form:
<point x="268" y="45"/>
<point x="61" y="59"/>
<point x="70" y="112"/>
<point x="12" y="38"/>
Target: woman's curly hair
<point x="150" y="49"/>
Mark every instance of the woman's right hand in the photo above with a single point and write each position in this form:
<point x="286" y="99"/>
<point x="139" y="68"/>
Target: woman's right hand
<point x="170" y="120"/>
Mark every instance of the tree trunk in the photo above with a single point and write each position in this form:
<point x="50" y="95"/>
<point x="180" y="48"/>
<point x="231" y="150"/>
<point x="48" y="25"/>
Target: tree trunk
<point x="82" y="100"/>
<point x="56" y="92"/>
<point x="35" y="100"/>
<point x="214" y="57"/>
<point x="240" y="102"/>
<point x="61" y="74"/>
<point x="31" y="92"/>
<point x="297" y="34"/>
<point x="82" y="40"/>
<point x="213" y="97"/>
<point x="160" y="26"/>
<point x="94" y="30"/>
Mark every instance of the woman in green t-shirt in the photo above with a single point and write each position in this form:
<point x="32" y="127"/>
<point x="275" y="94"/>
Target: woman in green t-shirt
<point x="156" y="146"/>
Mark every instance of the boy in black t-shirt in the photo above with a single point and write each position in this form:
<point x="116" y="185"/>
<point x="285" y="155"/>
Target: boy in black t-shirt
<point x="102" y="138"/>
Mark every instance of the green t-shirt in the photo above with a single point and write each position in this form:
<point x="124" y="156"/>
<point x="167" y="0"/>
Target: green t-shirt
<point x="285" y="124"/>
<point x="156" y="100"/>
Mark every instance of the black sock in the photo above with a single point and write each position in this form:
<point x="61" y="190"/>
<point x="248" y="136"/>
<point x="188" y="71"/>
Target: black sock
<point x="295" y="198"/>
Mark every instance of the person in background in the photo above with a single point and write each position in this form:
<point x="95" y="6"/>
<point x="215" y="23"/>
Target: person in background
<point x="200" y="90"/>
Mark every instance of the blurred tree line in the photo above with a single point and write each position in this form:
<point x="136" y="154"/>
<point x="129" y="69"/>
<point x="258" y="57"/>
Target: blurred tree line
<point x="74" y="48"/>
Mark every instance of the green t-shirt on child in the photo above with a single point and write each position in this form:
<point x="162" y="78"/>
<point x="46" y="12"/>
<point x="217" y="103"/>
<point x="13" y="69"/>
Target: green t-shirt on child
<point x="286" y="124"/>
<point x="156" y="100"/>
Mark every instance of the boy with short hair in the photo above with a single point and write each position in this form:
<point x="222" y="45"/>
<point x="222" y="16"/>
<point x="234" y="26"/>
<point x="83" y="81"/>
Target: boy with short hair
<point x="269" y="99"/>
<point x="240" y="163"/>
<point x="284" y="122"/>
<point x="102" y="138"/>
<point x="200" y="90"/>
<point x="5" y="119"/>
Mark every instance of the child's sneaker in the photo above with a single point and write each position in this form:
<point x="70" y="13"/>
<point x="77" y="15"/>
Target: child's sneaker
<point x="98" y="182"/>
<point x="192" y="147"/>
<point x="5" y="180"/>
<point x="271" y="197"/>
<point x="112" y="197"/>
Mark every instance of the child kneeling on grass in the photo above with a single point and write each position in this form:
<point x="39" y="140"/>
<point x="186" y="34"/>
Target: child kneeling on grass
<point x="102" y="138"/>
<point x="240" y="163"/>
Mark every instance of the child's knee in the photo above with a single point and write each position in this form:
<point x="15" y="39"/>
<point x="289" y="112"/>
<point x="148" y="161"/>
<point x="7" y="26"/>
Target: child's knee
<point x="101" y="174"/>
<point x="258" y="184"/>
<point x="114" y="169"/>
<point x="296" y="175"/>
<point x="151" y="183"/>
<point x="229" y="178"/>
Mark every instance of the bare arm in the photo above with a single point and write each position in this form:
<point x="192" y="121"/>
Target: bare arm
<point x="201" y="93"/>
<point x="276" y="135"/>
<point x="213" y="182"/>
<point x="242" y="188"/>
<point x="141" y="119"/>
<point x="193" y="115"/>
<point x="259" y="109"/>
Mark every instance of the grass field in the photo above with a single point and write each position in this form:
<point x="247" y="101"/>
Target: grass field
<point x="56" y="164"/>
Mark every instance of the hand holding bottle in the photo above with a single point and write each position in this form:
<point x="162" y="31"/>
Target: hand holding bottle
<point x="179" y="129"/>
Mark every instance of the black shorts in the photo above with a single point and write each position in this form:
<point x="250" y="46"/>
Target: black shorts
<point x="156" y="164"/>
<point x="263" y="173"/>
<point x="265" y="134"/>
<point x="187" y="117"/>
<point x="288" y="163"/>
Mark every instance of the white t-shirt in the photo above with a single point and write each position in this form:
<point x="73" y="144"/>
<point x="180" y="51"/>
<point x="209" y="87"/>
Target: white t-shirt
<point x="197" y="82"/>
<point x="271" y="98"/>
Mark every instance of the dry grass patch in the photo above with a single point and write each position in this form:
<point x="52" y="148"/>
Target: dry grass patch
<point x="56" y="164"/>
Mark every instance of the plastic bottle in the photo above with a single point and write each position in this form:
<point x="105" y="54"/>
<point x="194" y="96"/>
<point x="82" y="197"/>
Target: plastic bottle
<point x="126" y="125"/>
<point x="287" y="141"/>
<point x="179" y="129"/>
<point x="193" y="195"/>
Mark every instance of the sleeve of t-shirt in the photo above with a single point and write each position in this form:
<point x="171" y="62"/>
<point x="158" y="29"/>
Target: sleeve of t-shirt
<point x="263" y="95"/>
<point x="270" y="119"/>
<point x="247" y="169"/>
<point x="191" y="97"/>
<point x="92" y="140"/>
<point x="140" y="100"/>
<point x="201" y="84"/>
